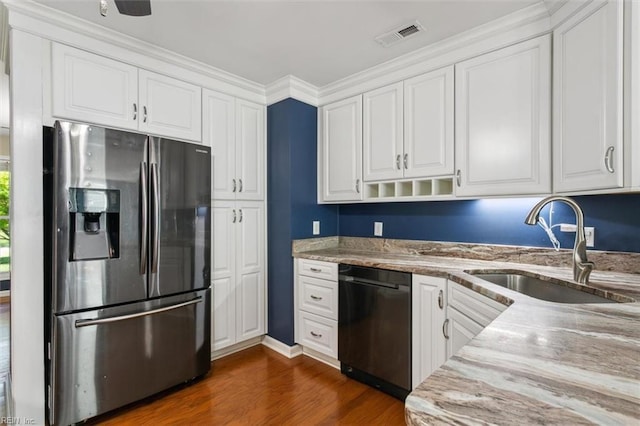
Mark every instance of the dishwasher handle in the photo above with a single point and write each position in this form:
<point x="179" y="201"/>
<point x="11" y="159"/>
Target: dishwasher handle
<point x="364" y="281"/>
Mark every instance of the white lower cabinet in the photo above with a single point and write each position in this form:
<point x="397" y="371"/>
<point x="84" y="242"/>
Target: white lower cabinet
<point x="468" y="314"/>
<point x="238" y="272"/>
<point x="316" y="285"/>
<point x="445" y="317"/>
<point x="428" y="310"/>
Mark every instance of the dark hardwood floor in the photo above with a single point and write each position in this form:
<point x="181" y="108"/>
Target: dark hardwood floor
<point x="260" y="387"/>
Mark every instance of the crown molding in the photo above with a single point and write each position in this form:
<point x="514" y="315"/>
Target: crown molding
<point x="521" y="25"/>
<point x="291" y="87"/>
<point x="55" y="25"/>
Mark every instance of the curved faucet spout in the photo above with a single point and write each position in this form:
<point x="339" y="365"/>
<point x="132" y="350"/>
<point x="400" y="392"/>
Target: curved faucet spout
<point x="581" y="266"/>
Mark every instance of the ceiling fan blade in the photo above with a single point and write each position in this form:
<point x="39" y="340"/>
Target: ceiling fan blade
<point x="134" y="7"/>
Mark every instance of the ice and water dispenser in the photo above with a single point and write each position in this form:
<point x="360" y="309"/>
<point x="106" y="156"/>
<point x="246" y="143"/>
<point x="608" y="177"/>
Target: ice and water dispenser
<point x="95" y="223"/>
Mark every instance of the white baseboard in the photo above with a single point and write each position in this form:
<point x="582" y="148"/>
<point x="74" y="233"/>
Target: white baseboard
<point x="331" y="362"/>
<point x="235" y="348"/>
<point x="282" y="348"/>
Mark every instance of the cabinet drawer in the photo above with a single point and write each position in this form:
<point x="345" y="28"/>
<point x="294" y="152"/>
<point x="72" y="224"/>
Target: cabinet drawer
<point x="318" y="269"/>
<point x="318" y="296"/>
<point x="318" y="333"/>
<point x="474" y="305"/>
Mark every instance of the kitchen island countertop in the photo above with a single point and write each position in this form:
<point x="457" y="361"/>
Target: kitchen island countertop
<point x="538" y="362"/>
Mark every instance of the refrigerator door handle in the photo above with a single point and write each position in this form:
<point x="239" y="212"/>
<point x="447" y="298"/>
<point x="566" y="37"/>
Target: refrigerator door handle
<point x="98" y="321"/>
<point x="155" y="217"/>
<point x="144" y="230"/>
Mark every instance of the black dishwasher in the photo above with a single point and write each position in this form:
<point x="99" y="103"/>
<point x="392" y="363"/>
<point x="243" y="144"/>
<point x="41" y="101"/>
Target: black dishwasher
<point x="374" y="327"/>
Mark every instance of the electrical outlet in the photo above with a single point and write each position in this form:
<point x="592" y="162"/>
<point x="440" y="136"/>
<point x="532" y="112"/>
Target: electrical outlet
<point x="589" y="232"/>
<point x="590" y="235"/>
<point x="377" y="229"/>
<point x="316" y="227"/>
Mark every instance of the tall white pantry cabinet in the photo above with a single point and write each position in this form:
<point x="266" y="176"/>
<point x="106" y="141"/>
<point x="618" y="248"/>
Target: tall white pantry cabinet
<point x="235" y="130"/>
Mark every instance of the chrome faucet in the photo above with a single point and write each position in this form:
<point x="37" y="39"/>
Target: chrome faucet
<point x="581" y="266"/>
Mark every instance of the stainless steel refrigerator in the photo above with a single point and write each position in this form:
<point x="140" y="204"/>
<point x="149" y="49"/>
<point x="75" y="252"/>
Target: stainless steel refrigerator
<point x="127" y="260"/>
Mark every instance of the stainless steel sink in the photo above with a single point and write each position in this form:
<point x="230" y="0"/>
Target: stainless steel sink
<point x="549" y="289"/>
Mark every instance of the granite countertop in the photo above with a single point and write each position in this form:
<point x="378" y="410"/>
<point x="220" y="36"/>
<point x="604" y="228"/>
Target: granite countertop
<point x="538" y="362"/>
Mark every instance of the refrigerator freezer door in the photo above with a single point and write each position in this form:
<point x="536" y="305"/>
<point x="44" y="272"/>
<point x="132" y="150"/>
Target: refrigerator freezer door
<point x="96" y="228"/>
<point x="180" y="212"/>
<point x="110" y="357"/>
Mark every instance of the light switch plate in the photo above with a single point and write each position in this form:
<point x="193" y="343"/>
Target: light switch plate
<point x="316" y="227"/>
<point x="377" y="229"/>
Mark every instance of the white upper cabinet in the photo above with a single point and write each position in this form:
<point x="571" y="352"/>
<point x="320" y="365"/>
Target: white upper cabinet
<point x="94" y="89"/>
<point x="235" y="130"/>
<point x="588" y="97"/>
<point x="219" y="132"/>
<point x="250" y="145"/>
<point x="503" y="121"/>
<point x="408" y="128"/>
<point x="340" y="156"/>
<point x="428" y="124"/>
<point x="170" y="107"/>
<point x="382" y="140"/>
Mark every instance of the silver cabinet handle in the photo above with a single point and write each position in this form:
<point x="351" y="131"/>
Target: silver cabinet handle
<point x="608" y="159"/>
<point x="440" y="299"/>
<point x="144" y="114"/>
<point x="358" y="186"/>
<point x="240" y="221"/>
<point x="234" y="185"/>
<point x="97" y="321"/>
<point x="316" y="335"/>
<point x="444" y="328"/>
<point x="398" y="161"/>
<point x="135" y="111"/>
<point x="240" y="181"/>
<point x="234" y="216"/>
<point x="458" y="178"/>
<point x="406" y="161"/>
<point x="315" y="297"/>
<point x="315" y="270"/>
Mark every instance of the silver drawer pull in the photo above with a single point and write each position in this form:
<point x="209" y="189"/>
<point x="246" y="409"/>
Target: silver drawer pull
<point x="441" y="299"/>
<point x="316" y="335"/>
<point x="315" y="270"/>
<point x="445" y="330"/>
<point x="398" y="161"/>
<point x="315" y="297"/>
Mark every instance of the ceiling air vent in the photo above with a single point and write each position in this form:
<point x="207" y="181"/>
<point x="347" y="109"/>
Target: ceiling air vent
<point x="400" y="33"/>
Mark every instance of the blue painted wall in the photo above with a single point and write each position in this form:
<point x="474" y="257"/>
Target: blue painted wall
<point x="497" y="221"/>
<point x="291" y="207"/>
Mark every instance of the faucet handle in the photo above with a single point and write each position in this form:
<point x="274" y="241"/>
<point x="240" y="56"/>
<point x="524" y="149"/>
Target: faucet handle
<point x="583" y="271"/>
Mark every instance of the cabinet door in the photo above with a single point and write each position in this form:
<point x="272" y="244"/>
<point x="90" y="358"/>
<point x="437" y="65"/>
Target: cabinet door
<point x="250" y="287"/>
<point x="224" y="274"/>
<point x="341" y="150"/>
<point x="428" y="312"/>
<point x="219" y="132"/>
<point x="461" y="330"/>
<point x="170" y="107"/>
<point x="502" y="121"/>
<point x="250" y="142"/>
<point x="587" y="130"/>
<point x="223" y="330"/>
<point x="93" y="89"/>
<point x="382" y="133"/>
<point x="428" y="124"/>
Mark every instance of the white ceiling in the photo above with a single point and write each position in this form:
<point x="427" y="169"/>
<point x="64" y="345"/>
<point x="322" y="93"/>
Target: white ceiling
<point x="317" y="41"/>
